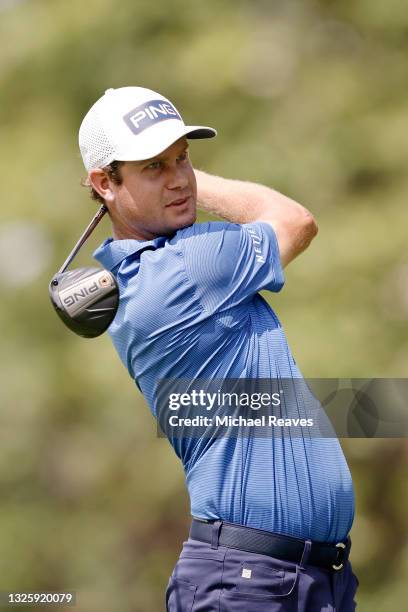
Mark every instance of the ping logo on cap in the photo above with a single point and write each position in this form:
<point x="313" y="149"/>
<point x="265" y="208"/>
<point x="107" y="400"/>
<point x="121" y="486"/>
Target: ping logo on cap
<point x="145" y="115"/>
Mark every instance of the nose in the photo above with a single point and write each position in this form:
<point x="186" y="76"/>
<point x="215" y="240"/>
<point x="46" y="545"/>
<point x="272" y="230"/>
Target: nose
<point x="177" y="178"/>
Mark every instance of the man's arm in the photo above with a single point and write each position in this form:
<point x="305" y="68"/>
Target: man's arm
<point x="244" y="202"/>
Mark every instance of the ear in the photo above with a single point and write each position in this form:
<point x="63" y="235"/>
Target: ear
<point x="100" y="181"/>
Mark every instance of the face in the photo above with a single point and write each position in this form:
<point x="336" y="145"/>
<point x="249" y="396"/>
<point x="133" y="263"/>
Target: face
<point x="156" y="198"/>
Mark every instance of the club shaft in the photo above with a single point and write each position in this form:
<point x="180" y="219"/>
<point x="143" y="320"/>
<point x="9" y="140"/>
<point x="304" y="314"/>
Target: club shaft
<point x="84" y="237"/>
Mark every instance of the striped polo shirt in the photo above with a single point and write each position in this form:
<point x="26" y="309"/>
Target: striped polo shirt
<point x="190" y="308"/>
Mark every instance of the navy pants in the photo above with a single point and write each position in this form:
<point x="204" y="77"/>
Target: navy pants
<point x="224" y="579"/>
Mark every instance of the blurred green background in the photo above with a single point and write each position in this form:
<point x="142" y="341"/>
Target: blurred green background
<point x="309" y="97"/>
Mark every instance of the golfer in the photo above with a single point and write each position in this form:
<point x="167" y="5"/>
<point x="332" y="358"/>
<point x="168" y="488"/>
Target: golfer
<point x="271" y="515"/>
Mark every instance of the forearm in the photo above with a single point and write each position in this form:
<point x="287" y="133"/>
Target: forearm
<point x="241" y="201"/>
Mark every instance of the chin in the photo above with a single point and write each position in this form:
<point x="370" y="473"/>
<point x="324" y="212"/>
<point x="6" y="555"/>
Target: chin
<point x="170" y="231"/>
<point x="178" y="220"/>
<point x="185" y="220"/>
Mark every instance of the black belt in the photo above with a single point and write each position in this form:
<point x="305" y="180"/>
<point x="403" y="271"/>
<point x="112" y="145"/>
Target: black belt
<point x="218" y="533"/>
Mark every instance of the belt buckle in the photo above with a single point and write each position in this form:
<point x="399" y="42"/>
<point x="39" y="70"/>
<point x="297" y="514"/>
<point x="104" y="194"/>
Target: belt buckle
<point x="340" y="556"/>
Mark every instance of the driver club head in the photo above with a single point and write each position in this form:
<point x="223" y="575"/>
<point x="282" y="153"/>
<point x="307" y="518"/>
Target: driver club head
<point x="85" y="299"/>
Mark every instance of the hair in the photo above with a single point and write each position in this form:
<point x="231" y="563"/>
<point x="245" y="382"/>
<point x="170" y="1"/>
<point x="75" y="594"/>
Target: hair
<point x="113" y="170"/>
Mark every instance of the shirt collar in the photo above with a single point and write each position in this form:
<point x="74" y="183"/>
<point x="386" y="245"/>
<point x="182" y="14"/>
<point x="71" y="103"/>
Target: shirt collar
<point x="112" y="252"/>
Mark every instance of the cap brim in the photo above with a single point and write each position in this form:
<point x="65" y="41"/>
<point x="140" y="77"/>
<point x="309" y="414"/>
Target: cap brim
<point x="200" y="131"/>
<point x="155" y="140"/>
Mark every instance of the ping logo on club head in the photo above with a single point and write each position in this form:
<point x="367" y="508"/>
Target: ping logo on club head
<point x="146" y="115"/>
<point x="79" y="294"/>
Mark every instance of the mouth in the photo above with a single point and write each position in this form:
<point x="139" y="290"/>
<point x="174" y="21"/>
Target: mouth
<point x="178" y="203"/>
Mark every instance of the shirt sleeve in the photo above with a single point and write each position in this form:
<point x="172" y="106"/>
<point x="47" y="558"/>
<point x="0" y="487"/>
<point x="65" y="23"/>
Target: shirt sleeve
<point x="228" y="263"/>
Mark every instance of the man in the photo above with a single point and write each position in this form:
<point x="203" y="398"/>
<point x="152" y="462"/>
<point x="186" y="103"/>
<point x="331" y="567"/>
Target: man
<point x="272" y="513"/>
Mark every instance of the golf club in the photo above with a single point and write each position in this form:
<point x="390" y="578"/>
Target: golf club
<point x="85" y="299"/>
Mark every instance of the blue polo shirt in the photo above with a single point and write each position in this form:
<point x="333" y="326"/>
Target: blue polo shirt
<point x="190" y="308"/>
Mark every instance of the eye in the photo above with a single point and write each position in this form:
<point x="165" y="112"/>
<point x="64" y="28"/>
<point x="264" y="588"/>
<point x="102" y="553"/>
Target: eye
<point x="183" y="156"/>
<point x="156" y="165"/>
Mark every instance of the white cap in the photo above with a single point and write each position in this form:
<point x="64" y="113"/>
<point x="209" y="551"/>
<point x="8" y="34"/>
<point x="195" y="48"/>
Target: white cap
<point x="132" y="124"/>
